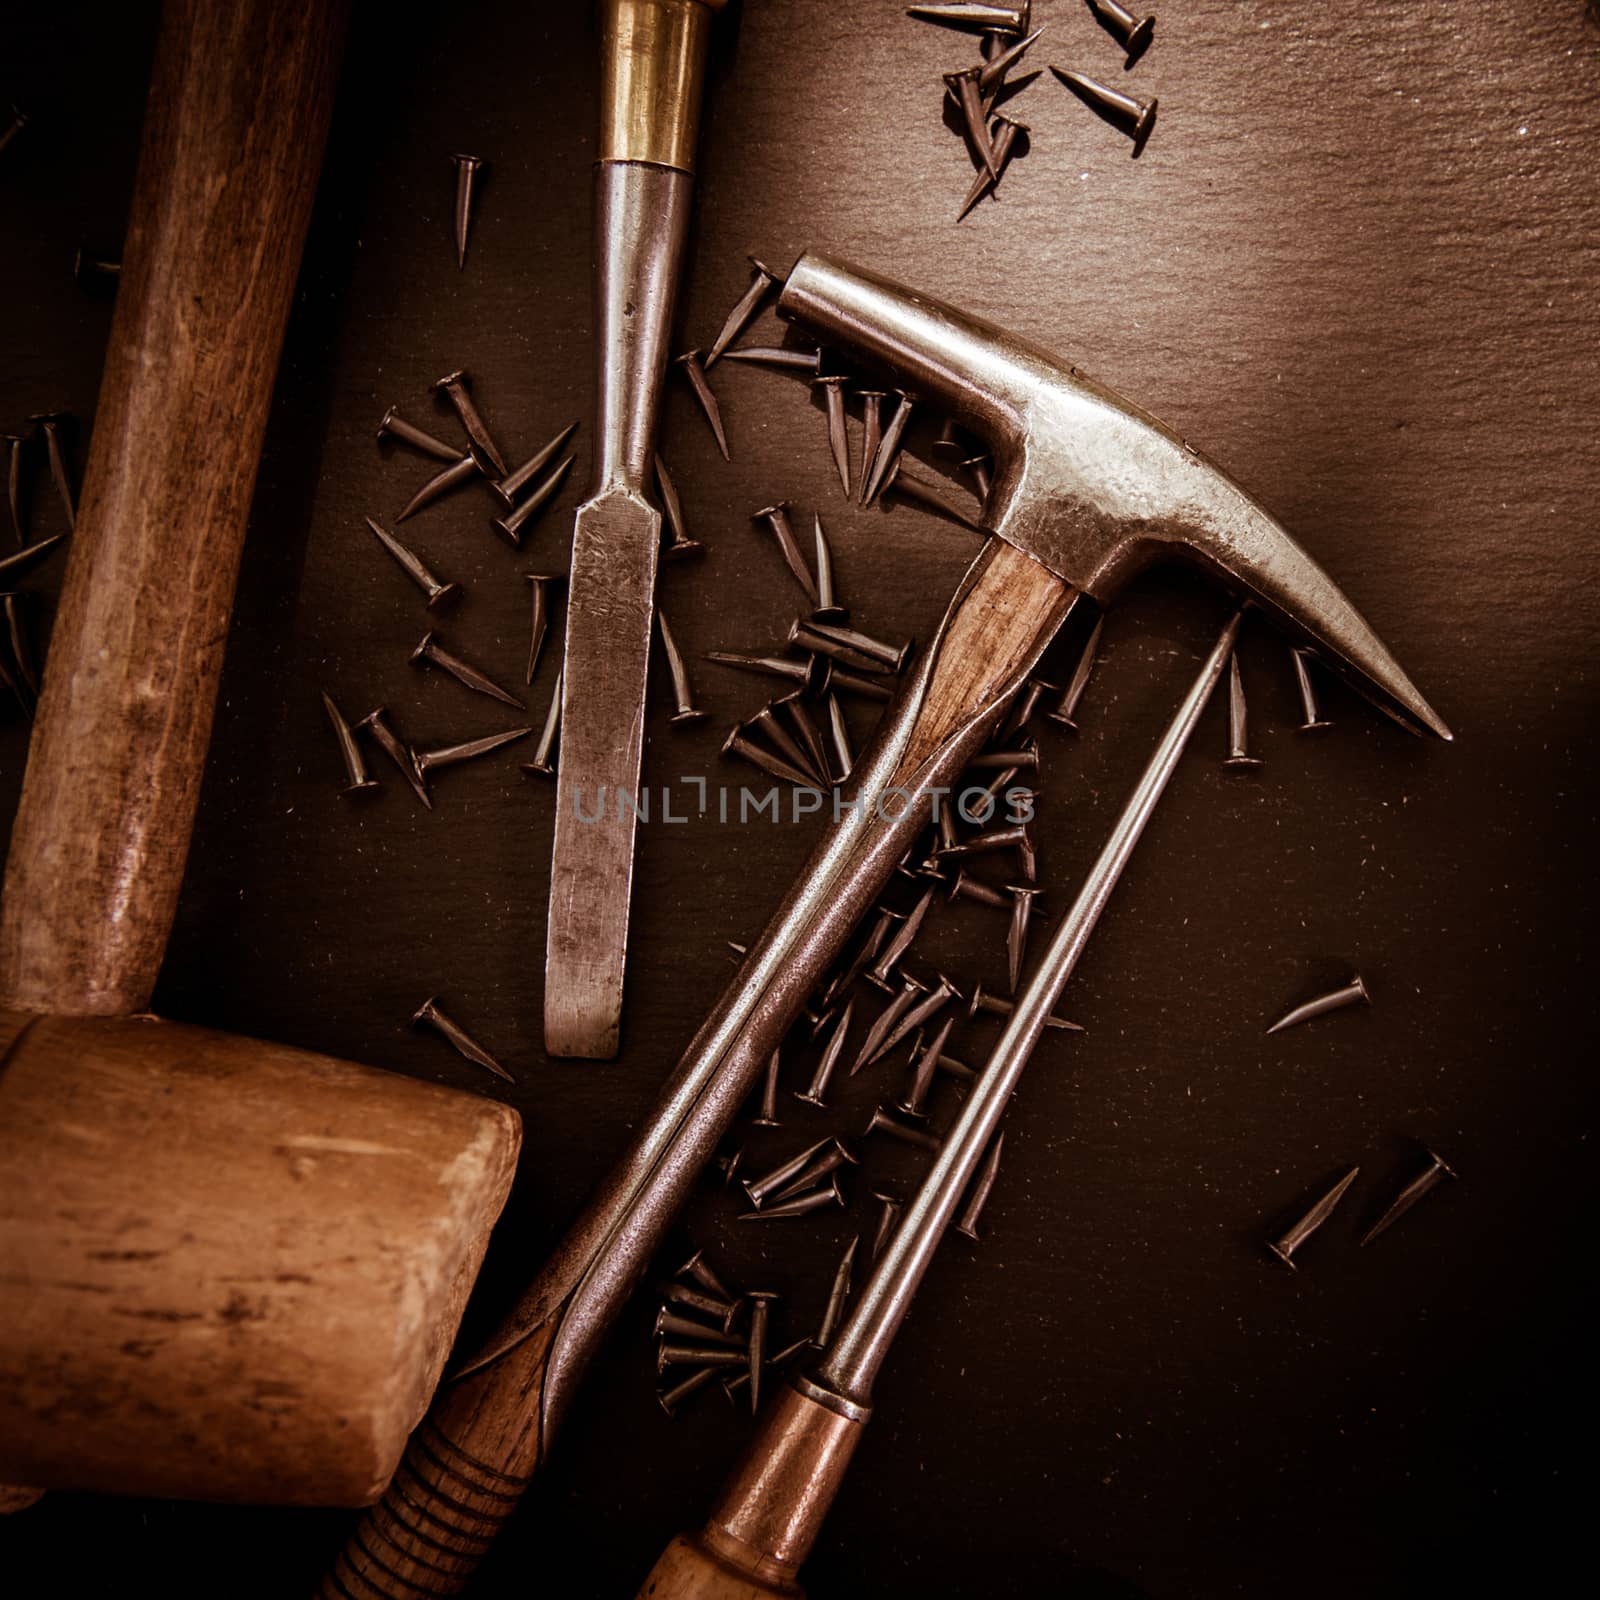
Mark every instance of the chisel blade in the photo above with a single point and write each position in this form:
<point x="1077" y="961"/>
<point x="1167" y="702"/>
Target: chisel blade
<point x="610" y="610"/>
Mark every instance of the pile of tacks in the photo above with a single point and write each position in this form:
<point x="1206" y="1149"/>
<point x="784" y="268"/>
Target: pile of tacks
<point x="975" y="94"/>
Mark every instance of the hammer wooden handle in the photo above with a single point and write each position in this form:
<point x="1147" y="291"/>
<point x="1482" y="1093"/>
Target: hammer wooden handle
<point x="237" y="118"/>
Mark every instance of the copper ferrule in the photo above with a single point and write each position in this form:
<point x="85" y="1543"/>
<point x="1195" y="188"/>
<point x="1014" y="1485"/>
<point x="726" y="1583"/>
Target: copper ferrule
<point x="654" y="55"/>
<point x="772" y="1510"/>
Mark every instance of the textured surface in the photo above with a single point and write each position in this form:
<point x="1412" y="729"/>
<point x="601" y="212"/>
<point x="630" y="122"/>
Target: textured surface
<point x="1358" y="265"/>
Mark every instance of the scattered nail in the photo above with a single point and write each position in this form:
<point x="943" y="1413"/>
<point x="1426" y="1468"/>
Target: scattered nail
<point x="539" y="616"/>
<point x="1022" y="898"/>
<point x="838" y="438"/>
<point x="456" y="388"/>
<point x="839" y="735"/>
<point x="757" y="1189"/>
<point x="466" y="177"/>
<point x="429" y="650"/>
<point x="414" y="567"/>
<point x="793" y="707"/>
<point x="837" y="1154"/>
<point x="1285" y="1246"/>
<point x="838" y="1295"/>
<point x="906" y="481"/>
<point x="882" y="1122"/>
<point x="974" y="18"/>
<point x="888" y="449"/>
<point x="773" y="765"/>
<point x="394" y="426"/>
<point x="995" y="67"/>
<point x="776" y="517"/>
<point x="49" y="423"/>
<point x="1239" y="757"/>
<point x="703" y="1273"/>
<point x="429" y="1015"/>
<point x="671" y="1399"/>
<point x="904" y="938"/>
<point x="682" y="690"/>
<point x="1132" y="33"/>
<point x="738" y="319"/>
<point x="807" y="361"/>
<point x="395" y="748"/>
<point x="672" y="510"/>
<point x="1125" y="112"/>
<point x="914" y="1102"/>
<point x="463" y="469"/>
<point x="451" y="755"/>
<point x="1066" y="712"/>
<point x="357" y="778"/>
<point x="1437" y="1170"/>
<point x="670" y="1323"/>
<point x="767" y="1116"/>
<point x="510" y="526"/>
<point x="887" y="1020"/>
<point x="828" y="608"/>
<point x="689" y="361"/>
<point x="997" y="1006"/>
<point x="509" y="487"/>
<point x="967" y="1222"/>
<point x="814" y="1091"/>
<point x="542" y="762"/>
<point x="14" y="443"/>
<point x="1314" y="720"/>
<point x="890" y="1207"/>
<point x="800" y="1205"/>
<point x="1347" y="994"/>
<point x="698" y="1355"/>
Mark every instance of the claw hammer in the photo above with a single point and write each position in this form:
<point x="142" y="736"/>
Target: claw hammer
<point x="1087" y="490"/>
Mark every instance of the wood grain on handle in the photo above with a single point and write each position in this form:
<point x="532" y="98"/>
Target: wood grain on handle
<point x="1008" y="615"/>
<point x="237" y="117"/>
<point x="463" y="1473"/>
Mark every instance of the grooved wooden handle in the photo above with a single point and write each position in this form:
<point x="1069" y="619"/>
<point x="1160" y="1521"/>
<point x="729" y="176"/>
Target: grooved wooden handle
<point x="464" y="1471"/>
<point x="238" y="114"/>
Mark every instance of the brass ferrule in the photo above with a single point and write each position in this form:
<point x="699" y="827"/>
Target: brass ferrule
<point x="654" y="54"/>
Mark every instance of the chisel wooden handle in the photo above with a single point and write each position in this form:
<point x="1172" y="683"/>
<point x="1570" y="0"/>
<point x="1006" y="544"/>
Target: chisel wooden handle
<point x="233" y="137"/>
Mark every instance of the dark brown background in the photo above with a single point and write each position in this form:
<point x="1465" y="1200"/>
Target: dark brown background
<point x="1358" y="265"/>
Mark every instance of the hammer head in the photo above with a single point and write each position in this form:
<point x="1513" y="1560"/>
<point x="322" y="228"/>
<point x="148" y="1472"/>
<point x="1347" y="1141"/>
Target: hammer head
<point x="1088" y="485"/>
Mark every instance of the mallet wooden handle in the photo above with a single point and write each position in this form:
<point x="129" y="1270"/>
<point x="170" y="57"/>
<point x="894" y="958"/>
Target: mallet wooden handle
<point x="234" y="131"/>
<point x="480" y="1445"/>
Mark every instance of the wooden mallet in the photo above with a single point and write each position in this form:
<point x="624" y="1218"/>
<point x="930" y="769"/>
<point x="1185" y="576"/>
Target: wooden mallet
<point x="228" y="1270"/>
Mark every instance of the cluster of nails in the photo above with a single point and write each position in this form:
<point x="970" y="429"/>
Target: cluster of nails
<point x="698" y="1325"/>
<point x="1285" y="1245"/>
<point x="920" y="1014"/>
<point x="974" y="93"/>
<point x="19" y="666"/>
<point x="521" y="494"/>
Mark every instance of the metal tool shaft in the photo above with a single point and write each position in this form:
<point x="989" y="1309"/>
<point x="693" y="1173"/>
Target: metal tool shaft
<point x="858" y="1352"/>
<point x="642" y="219"/>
